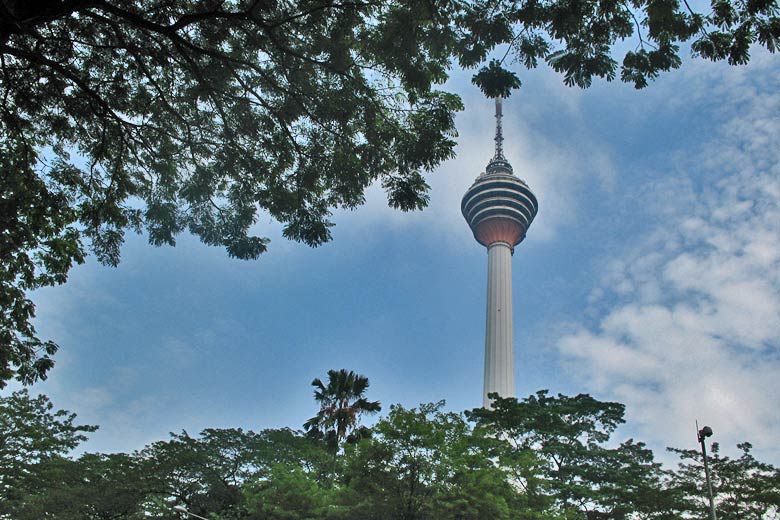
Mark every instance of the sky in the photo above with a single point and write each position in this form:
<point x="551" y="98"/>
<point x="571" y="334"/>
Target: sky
<point x="651" y="276"/>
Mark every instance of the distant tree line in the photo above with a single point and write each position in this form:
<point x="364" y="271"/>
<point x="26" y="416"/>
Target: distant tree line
<point x="542" y="458"/>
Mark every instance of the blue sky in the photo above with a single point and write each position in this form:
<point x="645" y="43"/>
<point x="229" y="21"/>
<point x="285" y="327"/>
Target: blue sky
<point x="650" y="276"/>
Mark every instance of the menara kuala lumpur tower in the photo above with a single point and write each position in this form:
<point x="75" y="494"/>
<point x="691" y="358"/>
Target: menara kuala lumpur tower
<point x="499" y="207"/>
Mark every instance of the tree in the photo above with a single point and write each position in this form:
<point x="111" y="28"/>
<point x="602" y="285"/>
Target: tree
<point x="205" y="474"/>
<point x="293" y="450"/>
<point x="342" y="403"/>
<point x="223" y="471"/>
<point x="744" y="488"/>
<point x="424" y="463"/>
<point x="229" y="473"/>
<point x="289" y="493"/>
<point x="170" y="115"/>
<point x="32" y="433"/>
<point x="557" y="449"/>
<point x="94" y="487"/>
<point x="206" y="113"/>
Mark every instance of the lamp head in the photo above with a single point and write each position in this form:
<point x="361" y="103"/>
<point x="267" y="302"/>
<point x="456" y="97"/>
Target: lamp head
<point x="704" y="433"/>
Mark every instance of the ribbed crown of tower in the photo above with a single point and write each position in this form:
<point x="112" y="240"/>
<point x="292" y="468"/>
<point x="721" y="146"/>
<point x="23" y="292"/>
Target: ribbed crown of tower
<point x="499" y="207"/>
<point x="499" y="164"/>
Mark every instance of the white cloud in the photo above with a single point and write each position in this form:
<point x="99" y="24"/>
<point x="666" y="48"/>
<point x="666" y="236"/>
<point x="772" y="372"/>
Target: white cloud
<point x="688" y="322"/>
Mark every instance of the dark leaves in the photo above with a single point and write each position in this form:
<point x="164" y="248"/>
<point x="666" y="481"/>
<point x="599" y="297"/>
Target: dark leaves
<point x="495" y="81"/>
<point x="559" y="444"/>
<point x="723" y="14"/>
<point x="407" y="193"/>
<point x="544" y="457"/>
<point x="31" y="434"/>
<point x="342" y="403"/>
<point x="578" y="69"/>
<point x="642" y="65"/>
<point x="743" y="487"/>
<point x="768" y="33"/>
<point x="38" y="246"/>
<point x="308" y="226"/>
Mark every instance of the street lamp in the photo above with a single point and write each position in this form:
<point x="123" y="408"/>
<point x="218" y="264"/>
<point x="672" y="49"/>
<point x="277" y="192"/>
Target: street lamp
<point x="701" y="435"/>
<point x="182" y="509"/>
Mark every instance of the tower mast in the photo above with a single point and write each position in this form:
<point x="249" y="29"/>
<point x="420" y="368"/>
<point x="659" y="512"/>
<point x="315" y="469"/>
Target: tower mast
<point x="499" y="139"/>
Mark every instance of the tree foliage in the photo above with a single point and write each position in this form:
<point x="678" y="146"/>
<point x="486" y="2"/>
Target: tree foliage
<point x="202" y="473"/>
<point x="342" y="403"/>
<point x="32" y="433"/>
<point x="426" y="463"/>
<point x="541" y="458"/>
<point x="744" y="488"/>
<point x="165" y="116"/>
<point x="93" y="487"/>
<point x="173" y="116"/>
<point x="571" y="466"/>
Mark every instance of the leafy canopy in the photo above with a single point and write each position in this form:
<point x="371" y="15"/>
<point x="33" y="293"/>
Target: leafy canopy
<point x="558" y="449"/>
<point x="32" y="433"/>
<point x="423" y="463"/>
<point x="165" y="116"/>
<point x="342" y="402"/>
<point x="744" y="487"/>
<point x="541" y="458"/>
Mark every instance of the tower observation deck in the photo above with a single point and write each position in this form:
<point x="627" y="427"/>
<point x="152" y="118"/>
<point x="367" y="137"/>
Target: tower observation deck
<point x="499" y="208"/>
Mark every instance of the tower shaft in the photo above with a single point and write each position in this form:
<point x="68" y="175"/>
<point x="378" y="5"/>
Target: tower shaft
<point x="499" y="342"/>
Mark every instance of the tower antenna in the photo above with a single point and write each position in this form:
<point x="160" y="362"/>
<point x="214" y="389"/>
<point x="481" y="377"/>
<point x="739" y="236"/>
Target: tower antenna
<point x="499" y="156"/>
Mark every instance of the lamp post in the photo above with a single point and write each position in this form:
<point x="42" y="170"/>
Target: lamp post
<point x="182" y="509"/>
<point x="701" y="435"/>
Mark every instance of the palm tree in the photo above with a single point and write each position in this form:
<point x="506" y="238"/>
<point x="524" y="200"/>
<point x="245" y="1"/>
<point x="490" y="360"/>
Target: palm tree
<point x="342" y="402"/>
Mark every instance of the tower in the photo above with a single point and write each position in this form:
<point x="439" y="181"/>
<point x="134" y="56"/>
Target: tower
<point x="499" y="207"/>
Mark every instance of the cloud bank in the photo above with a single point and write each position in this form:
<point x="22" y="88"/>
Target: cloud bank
<point x="686" y="325"/>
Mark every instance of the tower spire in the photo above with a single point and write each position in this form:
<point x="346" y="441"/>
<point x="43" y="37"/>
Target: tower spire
<point x="499" y="164"/>
<point x="499" y="156"/>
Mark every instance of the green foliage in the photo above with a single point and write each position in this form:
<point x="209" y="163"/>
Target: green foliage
<point x="171" y="116"/>
<point x="38" y="246"/>
<point x="542" y="458"/>
<point x="214" y="473"/>
<point x="32" y="434"/>
<point x="204" y="473"/>
<point x="94" y="487"/>
<point x="425" y="463"/>
<point x="744" y="488"/>
<point x="342" y="403"/>
<point x="289" y="493"/>
<point x="180" y="116"/>
<point x="557" y="447"/>
<point x="496" y="82"/>
<point x="32" y="431"/>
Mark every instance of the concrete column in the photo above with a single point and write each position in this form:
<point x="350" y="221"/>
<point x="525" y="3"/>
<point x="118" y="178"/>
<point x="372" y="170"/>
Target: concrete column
<point x="499" y="341"/>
